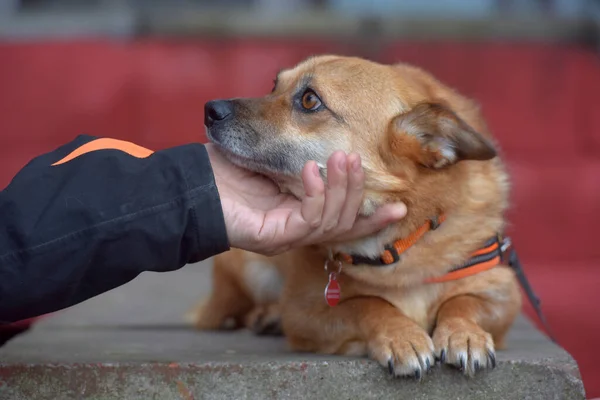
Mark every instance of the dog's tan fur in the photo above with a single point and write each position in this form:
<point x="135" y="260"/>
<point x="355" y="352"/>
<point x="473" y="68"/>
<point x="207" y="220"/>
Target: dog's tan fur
<point x="420" y="142"/>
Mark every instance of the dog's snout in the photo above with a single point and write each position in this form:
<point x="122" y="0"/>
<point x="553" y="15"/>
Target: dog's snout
<point x="217" y="110"/>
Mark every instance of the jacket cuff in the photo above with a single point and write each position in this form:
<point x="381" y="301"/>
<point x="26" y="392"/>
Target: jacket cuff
<point x="206" y="212"/>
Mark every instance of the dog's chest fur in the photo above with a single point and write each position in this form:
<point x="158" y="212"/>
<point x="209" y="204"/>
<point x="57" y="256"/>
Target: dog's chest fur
<point x="414" y="302"/>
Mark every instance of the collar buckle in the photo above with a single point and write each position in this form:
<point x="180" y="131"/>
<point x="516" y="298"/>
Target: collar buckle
<point x="505" y="245"/>
<point x="434" y="223"/>
<point x="332" y="264"/>
<point x="390" y="255"/>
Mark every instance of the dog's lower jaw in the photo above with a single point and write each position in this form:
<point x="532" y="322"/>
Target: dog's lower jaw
<point x="288" y="184"/>
<point x="370" y="246"/>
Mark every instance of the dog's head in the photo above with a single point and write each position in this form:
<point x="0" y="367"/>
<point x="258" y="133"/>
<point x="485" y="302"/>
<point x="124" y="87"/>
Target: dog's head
<point x="404" y="124"/>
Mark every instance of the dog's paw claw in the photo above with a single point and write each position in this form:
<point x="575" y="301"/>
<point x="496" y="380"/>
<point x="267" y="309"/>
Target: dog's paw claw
<point x="408" y="354"/>
<point x="443" y="356"/>
<point x="462" y="362"/>
<point x="492" y="358"/>
<point x="469" y="349"/>
<point x="418" y="374"/>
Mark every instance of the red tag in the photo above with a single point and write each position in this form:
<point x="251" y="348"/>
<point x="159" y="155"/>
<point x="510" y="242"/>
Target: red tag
<point x="333" y="292"/>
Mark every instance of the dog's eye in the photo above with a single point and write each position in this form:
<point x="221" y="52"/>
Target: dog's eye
<point x="310" y="101"/>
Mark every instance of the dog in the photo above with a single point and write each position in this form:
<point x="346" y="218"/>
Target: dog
<point x="432" y="287"/>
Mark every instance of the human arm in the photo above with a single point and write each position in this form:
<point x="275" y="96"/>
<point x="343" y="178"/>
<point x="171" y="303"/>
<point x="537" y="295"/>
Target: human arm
<point x="71" y="231"/>
<point x="95" y="213"/>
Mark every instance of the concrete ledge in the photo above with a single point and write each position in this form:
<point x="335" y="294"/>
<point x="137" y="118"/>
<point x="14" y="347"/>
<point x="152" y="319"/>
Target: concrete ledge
<point x="130" y="344"/>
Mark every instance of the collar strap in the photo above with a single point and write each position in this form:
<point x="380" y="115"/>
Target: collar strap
<point x="489" y="256"/>
<point x="392" y="252"/>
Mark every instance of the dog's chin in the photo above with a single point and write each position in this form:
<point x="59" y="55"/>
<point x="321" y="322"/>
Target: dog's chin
<point x="287" y="183"/>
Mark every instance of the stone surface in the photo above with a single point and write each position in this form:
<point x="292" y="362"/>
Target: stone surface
<point x="131" y="343"/>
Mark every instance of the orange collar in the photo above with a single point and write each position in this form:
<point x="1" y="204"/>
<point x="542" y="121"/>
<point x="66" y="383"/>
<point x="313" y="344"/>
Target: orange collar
<point x="487" y="257"/>
<point x="494" y="252"/>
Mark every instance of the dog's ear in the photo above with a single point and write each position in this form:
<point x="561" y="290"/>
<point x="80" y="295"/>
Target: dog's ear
<point x="434" y="136"/>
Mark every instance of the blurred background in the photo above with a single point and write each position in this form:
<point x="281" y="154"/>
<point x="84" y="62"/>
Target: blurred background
<point x="141" y="70"/>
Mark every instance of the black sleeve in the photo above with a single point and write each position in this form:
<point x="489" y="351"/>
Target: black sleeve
<point x="73" y="230"/>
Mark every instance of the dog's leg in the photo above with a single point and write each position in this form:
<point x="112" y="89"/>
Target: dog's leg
<point x="227" y="305"/>
<point x="359" y="326"/>
<point x="265" y="319"/>
<point x="469" y="328"/>
<point x="263" y="282"/>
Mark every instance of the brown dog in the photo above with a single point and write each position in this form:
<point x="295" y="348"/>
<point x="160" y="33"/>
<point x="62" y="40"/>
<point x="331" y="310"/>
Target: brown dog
<point x="433" y="285"/>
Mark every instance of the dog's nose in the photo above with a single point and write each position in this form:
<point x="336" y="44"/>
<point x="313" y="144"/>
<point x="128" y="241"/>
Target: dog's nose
<point x="217" y="110"/>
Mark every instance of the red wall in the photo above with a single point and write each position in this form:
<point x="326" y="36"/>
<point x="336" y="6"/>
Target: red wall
<point x="539" y="101"/>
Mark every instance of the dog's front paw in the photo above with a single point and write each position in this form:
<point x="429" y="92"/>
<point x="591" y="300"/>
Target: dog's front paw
<point x="204" y="316"/>
<point x="405" y="351"/>
<point x="265" y="320"/>
<point x="465" y="345"/>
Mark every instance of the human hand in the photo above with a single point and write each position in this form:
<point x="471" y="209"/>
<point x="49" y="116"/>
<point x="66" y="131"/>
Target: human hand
<point x="260" y="218"/>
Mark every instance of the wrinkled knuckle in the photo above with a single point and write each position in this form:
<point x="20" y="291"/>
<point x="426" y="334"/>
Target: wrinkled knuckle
<point x="357" y="187"/>
<point x="314" y="223"/>
<point x="330" y="227"/>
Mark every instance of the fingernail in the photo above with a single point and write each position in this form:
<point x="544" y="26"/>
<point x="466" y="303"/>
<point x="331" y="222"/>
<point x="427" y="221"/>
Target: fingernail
<point x="399" y="210"/>
<point x="356" y="165"/>
<point x="316" y="170"/>
<point x="342" y="163"/>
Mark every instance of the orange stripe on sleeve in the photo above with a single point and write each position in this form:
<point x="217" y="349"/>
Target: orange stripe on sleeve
<point x="107" y="144"/>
